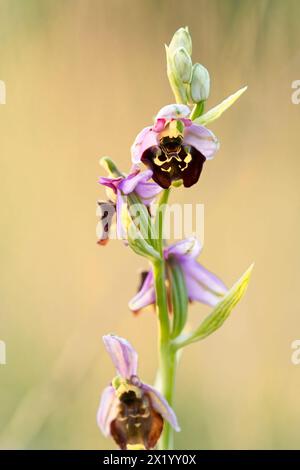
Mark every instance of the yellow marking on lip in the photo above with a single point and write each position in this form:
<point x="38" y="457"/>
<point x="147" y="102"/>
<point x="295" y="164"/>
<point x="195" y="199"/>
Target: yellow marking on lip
<point x="157" y="161"/>
<point x="125" y="387"/>
<point x="187" y="160"/>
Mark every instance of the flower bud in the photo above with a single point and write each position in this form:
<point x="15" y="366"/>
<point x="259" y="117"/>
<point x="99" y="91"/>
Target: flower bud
<point x="182" y="65"/>
<point x="200" y="84"/>
<point x="180" y="39"/>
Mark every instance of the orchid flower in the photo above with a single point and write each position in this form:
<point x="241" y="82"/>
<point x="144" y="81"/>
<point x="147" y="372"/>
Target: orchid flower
<point x="174" y="148"/>
<point x="131" y="411"/>
<point x="202" y="285"/>
<point x="136" y="182"/>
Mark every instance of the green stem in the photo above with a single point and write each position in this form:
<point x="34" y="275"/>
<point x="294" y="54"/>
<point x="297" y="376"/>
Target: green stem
<point x="166" y="351"/>
<point x="197" y="110"/>
<point x="161" y="302"/>
<point x="167" y="354"/>
<point x="159" y="221"/>
<point x="167" y="375"/>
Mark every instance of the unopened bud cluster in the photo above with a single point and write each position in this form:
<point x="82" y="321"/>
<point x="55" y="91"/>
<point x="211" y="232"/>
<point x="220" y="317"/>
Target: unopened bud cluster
<point x="190" y="83"/>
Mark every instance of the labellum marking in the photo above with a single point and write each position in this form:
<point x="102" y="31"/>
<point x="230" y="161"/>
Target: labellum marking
<point x="169" y="152"/>
<point x="137" y="423"/>
<point x="171" y="160"/>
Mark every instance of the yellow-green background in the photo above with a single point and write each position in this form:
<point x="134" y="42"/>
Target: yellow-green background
<point x="83" y="77"/>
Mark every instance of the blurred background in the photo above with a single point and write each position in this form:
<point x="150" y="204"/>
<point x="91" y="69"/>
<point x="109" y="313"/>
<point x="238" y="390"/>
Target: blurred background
<point x="82" y="78"/>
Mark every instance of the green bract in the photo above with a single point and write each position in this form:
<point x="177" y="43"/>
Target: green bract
<point x="218" y="110"/>
<point x="220" y="313"/>
<point x="109" y="165"/>
<point x="179" y="298"/>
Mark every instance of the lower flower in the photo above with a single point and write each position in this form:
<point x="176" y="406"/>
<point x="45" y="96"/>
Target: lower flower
<point x="130" y="411"/>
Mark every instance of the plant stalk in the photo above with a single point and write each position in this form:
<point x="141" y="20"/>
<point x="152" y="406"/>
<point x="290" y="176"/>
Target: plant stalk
<point x="167" y="354"/>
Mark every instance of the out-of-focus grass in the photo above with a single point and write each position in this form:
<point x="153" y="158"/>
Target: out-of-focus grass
<point x="82" y="79"/>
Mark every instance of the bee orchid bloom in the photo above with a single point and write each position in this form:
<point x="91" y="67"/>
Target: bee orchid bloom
<point x="174" y="148"/>
<point x="137" y="182"/>
<point x="131" y="411"/>
<point x="202" y="285"/>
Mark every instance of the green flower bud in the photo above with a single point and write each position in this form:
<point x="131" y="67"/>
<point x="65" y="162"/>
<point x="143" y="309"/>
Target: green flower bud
<point x="180" y="39"/>
<point x="179" y="64"/>
<point x="200" y="84"/>
<point x="182" y="65"/>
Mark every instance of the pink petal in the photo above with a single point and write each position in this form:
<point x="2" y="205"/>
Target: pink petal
<point x="159" y="124"/>
<point x="202" y="139"/>
<point x="111" y="183"/>
<point x="173" y="111"/>
<point x="190" y="248"/>
<point x="202" y="275"/>
<point x="145" y="296"/>
<point x="145" y="139"/>
<point x="161" y="405"/>
<point x="147" y="192"/>
<point x="199" y="293"/>
<point x="187" y="122"/>
<point x="123" y="355"/>
<point x="129" y="184"/>
<point x="108" y="409"/>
